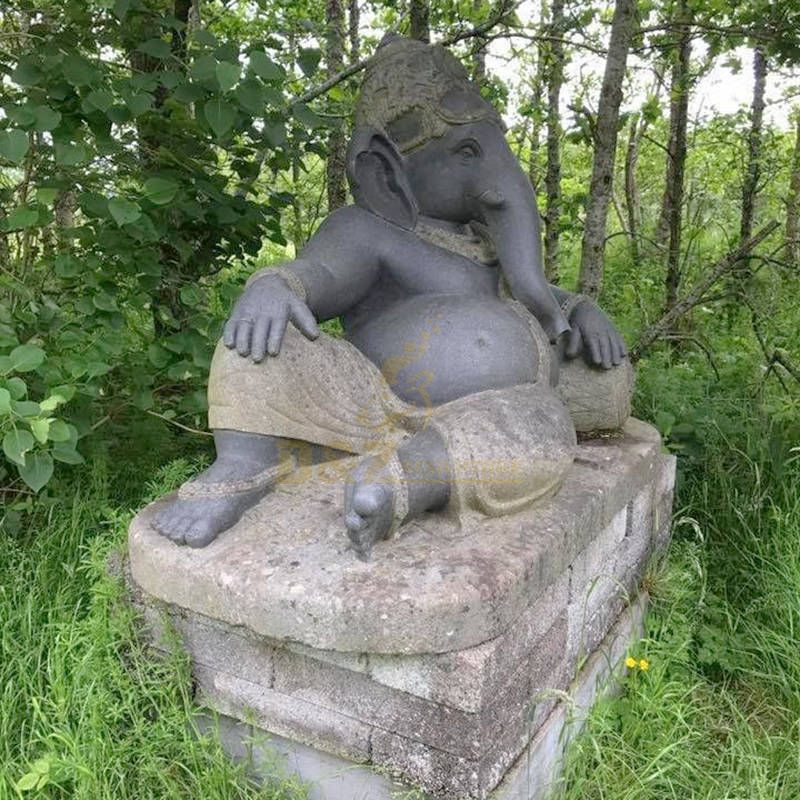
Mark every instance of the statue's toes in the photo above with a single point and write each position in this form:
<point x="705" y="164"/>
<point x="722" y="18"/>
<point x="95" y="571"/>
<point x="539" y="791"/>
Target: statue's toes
<point x="170" y="523"/>
<point x="201" y="532"/>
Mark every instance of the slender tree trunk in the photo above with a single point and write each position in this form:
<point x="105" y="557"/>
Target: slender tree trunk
<point x="793" y="202"/>
<point x="633" y="205"/>
<point x="478" y="49"/>
<point x="594" y="236"/>
<point x="672" y="204"/>
<point x="419" y="16"/>
<point x="537" y="93"/>
<point x="334" y="58"/>
<point x="552" y="180"/>
<point x="754" y="144"/>
<point x="354" y="20"/>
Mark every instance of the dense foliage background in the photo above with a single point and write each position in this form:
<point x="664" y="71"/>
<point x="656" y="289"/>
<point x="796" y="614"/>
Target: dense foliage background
<point x="151" y="152"/>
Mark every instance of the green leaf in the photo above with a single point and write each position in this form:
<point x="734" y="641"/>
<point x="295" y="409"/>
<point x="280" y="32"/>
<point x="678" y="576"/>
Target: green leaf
<point x="191" y="296"/>
<point x="78" y="71"/>
<point x="28" y="782"/>
<point x="66" y="453"/>
<point x="100" y="100"/>
<point x="52" y="402"/>
<point x="97" y="368"/>
<point x="22" y="217"/>
<point x="14" y="145"/>
<point x="139" y="103"/>
<point x="202" y="36"/>
<point x="308" y="59"/>
<point x="5" y="401"/>
<point x="159" y="356"/>
<point x="37" y="470"/>
<point x="160" y="190"/>
<point x="16" y="443"/>
<point x="306" y="117"/>
<point x="220" y="116"/>
<point x="227" y="75"/>
<point x="40" y="429"/>
<point x="250" y="95"/>
<point x="27" y="73"/>
<point x="124" y="211"/>
<point x="68" y="154"/>
<point x="26" y="357"/>
<point x="204" y="68"/>
<point x="67" y="266"/>
<point x="26" y="408"/>
<point x="17" y="387"/>
<point x="59" y="431"/>
<point x="104" y="302"/>
<point x="46" y="118"/>
<point x="157" y="48"/>
<point x="265" y="67"/>
<point x="46" y="195"/>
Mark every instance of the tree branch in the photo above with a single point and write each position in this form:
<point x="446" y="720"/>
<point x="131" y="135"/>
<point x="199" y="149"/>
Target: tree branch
<point x="696" y="295"/>
<point x="503" y="10"/>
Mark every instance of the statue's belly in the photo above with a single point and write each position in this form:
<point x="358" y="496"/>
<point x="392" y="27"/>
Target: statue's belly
<point x="435" y="348"/>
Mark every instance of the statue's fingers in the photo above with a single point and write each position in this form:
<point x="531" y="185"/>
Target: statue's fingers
<point x="244" y="332"/>
<point x="605" y="351"/>
<point x="574" y="342"/>
<point x="303" y="319"/>
<point x="616" y="349"/>
<point x="229" y="333"/>
<point x="595" y="355"/>
<point x="276" y="332"/>
<point x="261" y="330"/>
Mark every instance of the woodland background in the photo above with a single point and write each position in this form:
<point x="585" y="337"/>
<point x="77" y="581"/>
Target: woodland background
<point x="152" y="152"/>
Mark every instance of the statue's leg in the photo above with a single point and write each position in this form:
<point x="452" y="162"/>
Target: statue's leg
<point x="204" y="508"/>
<point x="321" y="397"/>
<point x="390" y="487"/>
<point x="491" y="453"/>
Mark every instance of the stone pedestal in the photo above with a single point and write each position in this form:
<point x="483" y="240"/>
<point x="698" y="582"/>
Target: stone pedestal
<point x="443" y="663"/>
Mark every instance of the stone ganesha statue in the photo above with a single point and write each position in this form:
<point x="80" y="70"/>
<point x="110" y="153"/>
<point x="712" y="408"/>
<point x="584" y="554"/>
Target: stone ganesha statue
<point x="458" y="382"/>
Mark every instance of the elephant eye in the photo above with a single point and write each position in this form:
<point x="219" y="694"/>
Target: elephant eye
<point x="468" y="150"/>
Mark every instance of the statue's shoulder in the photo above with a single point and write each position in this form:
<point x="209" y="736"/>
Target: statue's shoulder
<point x="357" y="227"/>
<point x="354" y="218"/>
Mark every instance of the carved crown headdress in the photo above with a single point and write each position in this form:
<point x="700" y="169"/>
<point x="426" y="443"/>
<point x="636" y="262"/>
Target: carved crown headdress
<point x="414" y="91"/>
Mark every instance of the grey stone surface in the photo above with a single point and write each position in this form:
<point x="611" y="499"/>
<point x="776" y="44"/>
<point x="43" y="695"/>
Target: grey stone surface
<point x="285" y="572"/>
<point x="533" y="776"/>
<point x="455" y="723"/>
<point x="537" y="772"/>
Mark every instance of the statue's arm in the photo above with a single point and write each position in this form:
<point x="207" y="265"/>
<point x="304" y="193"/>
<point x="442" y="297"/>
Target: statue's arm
<point x="591" y="333"/>
<point x="340" y="263"/>
<point x="332" y="273"/>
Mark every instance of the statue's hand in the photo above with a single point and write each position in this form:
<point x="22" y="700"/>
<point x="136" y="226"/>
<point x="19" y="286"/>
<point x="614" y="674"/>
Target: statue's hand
<point x="594" y="334"/>
<point x="260" y="316"/>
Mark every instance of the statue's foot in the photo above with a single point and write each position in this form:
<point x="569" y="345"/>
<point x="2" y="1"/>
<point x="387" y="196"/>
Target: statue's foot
<point x="214" y="501"/>
<point x="369" y="504"/>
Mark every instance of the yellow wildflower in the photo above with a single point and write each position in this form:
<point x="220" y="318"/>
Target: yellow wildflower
<point x="630" y="663"/>
<point x="644" y="665"/>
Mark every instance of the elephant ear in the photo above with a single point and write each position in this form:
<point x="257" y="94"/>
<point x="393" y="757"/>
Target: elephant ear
<point x="378" y="179"/>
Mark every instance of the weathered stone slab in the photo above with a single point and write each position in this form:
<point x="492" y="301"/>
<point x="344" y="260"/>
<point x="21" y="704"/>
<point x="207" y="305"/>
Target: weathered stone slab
<point x="451" y="720"/>
<point x="285" y="570"/>
<point x="532" y="776"/>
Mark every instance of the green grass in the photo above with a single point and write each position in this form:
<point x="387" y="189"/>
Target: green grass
<point x="85" y="712"/>
<point x="717" y="715"/>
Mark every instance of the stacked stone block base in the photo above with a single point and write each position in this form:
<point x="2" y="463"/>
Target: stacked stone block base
<point x="472" y="669"/>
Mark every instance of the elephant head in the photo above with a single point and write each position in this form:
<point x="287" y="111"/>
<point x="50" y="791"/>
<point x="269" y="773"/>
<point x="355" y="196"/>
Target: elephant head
<point x="427" y="143"/>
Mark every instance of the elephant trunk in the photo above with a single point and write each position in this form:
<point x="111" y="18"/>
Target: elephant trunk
<point x="512" y="218"/>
